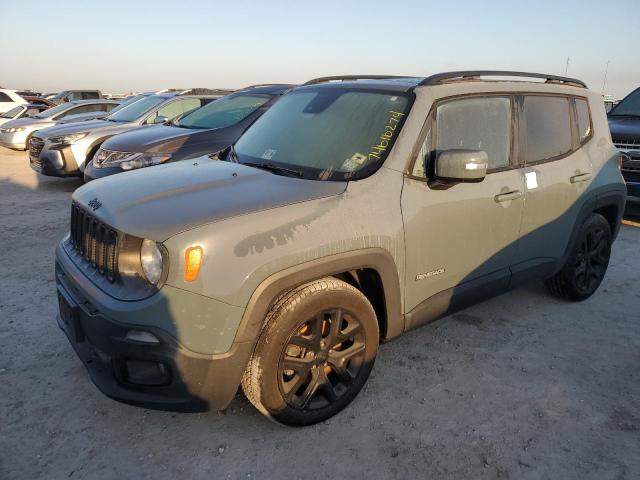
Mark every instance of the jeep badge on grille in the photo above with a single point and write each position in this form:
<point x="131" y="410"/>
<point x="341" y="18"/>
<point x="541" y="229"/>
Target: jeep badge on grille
<point x="95" y="204"/>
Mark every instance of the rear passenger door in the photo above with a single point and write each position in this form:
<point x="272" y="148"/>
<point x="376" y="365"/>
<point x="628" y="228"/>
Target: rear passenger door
<point x="460" y="238"/>
<point x="558" y="172"/>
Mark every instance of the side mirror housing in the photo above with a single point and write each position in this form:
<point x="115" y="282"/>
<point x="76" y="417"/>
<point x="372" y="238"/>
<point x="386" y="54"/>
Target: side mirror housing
<point x="160" y="120"/>
<point x="462" y="165"/>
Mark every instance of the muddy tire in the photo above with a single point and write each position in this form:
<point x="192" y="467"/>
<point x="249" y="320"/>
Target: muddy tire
<point x="314" y="354"/>
<point x="587" y="263"/>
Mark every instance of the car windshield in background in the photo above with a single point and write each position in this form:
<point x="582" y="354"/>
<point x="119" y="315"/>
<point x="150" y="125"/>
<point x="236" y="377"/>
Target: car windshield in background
<point x="136" y="109"/>
<point x="630" y="105"/>
<point x="326" y="133"/>
<point x="11" y="113"/>
<point x="55" y="110"/>
<point x="224" y="112"/>
<point x="128" y="102"/>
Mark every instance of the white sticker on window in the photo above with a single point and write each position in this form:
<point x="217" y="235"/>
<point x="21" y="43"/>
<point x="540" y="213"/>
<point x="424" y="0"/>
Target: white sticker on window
<point x="354" y="162"/>
<point x="268" y="154"/>
<point x="532" y="180"/>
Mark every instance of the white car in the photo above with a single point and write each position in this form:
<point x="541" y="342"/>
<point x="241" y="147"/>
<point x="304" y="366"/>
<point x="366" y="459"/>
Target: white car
<point x="9" y="99"/>
<point x="21" y="111"/>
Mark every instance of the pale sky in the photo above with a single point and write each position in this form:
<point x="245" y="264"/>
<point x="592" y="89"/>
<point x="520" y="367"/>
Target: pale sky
<point x="122" y="46"/>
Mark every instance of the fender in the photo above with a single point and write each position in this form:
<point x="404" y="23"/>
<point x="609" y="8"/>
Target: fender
<point x="276" y="284"/>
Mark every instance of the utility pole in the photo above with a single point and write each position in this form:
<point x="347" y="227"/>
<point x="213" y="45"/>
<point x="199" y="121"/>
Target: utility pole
<point x="566" y="67"/>
<point x="604" y="82"/>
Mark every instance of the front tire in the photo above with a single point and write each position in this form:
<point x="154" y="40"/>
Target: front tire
<point x="587" y="263"/>
<point x="314" y="354"/>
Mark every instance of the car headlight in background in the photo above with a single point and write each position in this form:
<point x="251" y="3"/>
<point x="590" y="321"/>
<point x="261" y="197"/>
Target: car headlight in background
<point x="128" y="160"/>
<point x="14" y="129"/>
<point x="151" y="261"/>
<point x="68" y="139"/>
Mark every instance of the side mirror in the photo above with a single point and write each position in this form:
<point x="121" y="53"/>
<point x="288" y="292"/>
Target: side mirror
<point x="160" y="120"/>
<point x="462" y="165"/>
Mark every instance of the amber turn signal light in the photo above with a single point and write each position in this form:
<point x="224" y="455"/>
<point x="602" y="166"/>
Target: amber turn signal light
<point x="192" y="261"/>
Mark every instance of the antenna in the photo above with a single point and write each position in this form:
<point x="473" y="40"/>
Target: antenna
<point x="604" y="82"/>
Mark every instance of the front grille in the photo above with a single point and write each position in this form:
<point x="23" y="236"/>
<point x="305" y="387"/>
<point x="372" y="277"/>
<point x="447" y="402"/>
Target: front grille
<point x="95" y="241"/>
<point x="35" y="146"/>
<point x="626" y="143"/>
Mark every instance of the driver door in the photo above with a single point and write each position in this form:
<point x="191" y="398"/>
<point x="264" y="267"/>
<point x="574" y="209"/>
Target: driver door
<point x="461" y="237"/>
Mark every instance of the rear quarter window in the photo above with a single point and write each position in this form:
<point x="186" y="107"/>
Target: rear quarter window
<point x="583" y="117"/>
<point x="547" y="127"/>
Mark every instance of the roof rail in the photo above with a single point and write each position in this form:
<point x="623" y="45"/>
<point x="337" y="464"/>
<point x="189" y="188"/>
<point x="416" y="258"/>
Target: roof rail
<point x="352" y="77"/>
<point x="440" y="78"/>
<point x="267" y="85"/>
<point x="205" y="91"/>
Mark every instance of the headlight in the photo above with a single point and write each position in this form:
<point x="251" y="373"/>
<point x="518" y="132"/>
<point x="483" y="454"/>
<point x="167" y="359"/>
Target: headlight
<point x="128" y="160"/>
<point x="68" y="139"/>
<point x="151" y="261"/>
<point x="14" y="129"/>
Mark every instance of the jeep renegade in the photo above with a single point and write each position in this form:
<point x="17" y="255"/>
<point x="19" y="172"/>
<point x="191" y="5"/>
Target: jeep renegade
<point x="353" y="210"/>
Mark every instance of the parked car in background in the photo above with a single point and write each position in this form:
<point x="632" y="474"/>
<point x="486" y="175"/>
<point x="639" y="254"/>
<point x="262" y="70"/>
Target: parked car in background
<point x="28" y="93"/>
<point x="10" y="99"/>
<point x="21" y="111"/>
<point x="624" y="123"/>
<point x="62" y="151"/>
<point x="71" y="95"/>
<point x="33" y="99"/>
<point x="16" y="133"/>
<point x="206" y="130"/>
<point x="352" y="211"/>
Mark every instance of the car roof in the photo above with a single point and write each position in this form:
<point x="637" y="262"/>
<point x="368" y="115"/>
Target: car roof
<point x="96" y="100"/>
<point x="267" y="88"/>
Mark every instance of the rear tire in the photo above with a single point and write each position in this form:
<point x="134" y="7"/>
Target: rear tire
<point x="587" y="263"/>
<point x="314" y="354"/>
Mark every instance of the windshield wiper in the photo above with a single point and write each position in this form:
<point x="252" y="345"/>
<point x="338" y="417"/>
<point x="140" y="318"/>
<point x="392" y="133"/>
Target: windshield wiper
<point x="291" y="172"/>
<point x="635" y="115"/>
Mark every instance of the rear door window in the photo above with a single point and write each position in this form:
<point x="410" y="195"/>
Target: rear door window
<point x="4" y="97"/>
<point x="90" y="95"/>
<point x="547" y="127"/>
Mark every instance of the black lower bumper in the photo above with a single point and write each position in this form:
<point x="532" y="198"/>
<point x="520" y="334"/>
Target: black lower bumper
<point x="161" y="375"/>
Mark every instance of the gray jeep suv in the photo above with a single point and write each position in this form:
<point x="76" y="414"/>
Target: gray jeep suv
<point x="353" y="210"/>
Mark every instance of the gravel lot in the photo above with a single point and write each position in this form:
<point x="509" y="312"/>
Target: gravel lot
<point x="522" y="386"/>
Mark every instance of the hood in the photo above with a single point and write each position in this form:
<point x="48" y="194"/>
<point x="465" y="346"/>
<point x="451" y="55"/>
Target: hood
<point x="162" y="201"/>
<point x="75" y="127"/>
<point x="622" y="127"/>
<point x="83" y="117"/>
<point x="26" y="122"/>
<point x="169" y="139"/>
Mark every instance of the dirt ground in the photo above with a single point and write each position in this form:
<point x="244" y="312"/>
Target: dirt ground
<point x="522" y="386"/>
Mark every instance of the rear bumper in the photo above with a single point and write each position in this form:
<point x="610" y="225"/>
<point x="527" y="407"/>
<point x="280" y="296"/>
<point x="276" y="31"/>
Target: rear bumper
<point x="163" y="375"/>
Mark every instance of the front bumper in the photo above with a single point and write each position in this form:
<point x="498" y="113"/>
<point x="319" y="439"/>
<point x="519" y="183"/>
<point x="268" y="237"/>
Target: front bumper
<point x="59" y="161"/>
<point x="93" y="173"/>
<point x="163" y="375"/>
<point x="14" y="141"/>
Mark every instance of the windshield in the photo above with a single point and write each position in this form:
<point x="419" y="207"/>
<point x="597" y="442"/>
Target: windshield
<point x="11" y="113"/>
<point x="135" y="110"/>
<point x="224" y="112"/>
<point x="125" y="103"/>
<point x="326" y="133"/>
<point x="55" y="110"/>
<point x="630" y="105"/>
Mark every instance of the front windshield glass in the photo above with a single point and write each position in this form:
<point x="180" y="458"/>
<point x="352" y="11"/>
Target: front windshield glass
<point x="55" y="110"/>
<point x="134" y="111"/>
<point x="224" y="112"/>
<point x="630" y="105"/>
<point x="11" y="113"/>
<point x="326" y="133"/>
<point x="125" y="103"/>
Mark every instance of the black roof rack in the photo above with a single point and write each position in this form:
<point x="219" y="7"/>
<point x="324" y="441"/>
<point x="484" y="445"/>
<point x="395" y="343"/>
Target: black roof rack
<point x="353" y="77"/>
<point x="440" y="78"/>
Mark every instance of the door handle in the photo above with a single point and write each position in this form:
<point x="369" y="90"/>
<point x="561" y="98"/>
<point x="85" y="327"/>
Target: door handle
<point x="581" y="177"/>
<point x="505" y="197"/>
